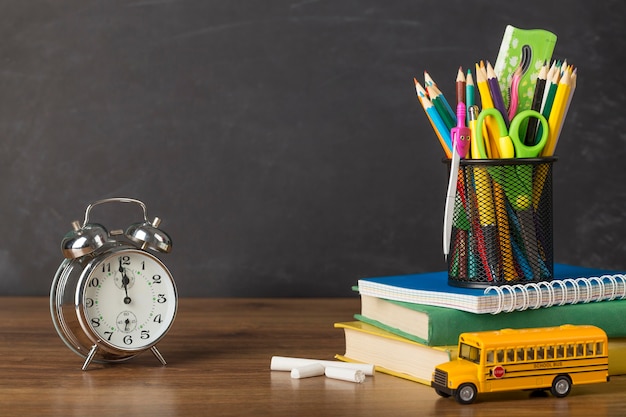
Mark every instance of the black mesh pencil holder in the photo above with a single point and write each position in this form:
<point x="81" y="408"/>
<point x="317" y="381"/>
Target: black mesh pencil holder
<point x="502" y="223"/>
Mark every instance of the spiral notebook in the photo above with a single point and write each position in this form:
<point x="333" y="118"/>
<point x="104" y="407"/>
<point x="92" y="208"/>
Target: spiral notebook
<point x="571" y="285"/>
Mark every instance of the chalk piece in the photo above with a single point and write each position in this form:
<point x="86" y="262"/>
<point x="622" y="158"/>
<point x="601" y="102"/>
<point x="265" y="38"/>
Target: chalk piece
<point x="307" y="371"/>
<point x="283" y="363"/>
<point x="352" y="375"/>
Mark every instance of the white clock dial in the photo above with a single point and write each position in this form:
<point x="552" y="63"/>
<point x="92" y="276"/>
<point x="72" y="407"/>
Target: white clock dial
<point x="129" y="300"/>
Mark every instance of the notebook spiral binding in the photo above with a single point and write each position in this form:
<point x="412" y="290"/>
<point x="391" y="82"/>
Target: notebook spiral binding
<point x="558" y="292"/>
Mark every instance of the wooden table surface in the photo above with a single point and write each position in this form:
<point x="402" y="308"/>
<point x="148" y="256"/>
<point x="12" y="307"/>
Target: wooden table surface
<point x="218" y="354"/>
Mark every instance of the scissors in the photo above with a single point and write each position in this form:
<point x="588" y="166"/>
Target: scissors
<point x="517" y="179"/>
<point x="517" y="185"/>
<point x="509" y="144"/>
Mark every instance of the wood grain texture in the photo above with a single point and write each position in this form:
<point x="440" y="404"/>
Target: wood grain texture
<point x="218" y="354"/>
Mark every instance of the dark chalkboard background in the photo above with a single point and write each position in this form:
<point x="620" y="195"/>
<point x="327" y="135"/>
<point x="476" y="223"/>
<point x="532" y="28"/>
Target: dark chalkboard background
<point x="280" y="141"/>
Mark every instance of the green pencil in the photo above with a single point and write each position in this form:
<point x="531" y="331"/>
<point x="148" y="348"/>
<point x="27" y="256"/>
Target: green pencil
<point x="549" y="95"/>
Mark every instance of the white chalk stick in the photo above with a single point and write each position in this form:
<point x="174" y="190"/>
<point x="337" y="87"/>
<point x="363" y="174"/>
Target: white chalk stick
<point x="307" y="371"/>
<point x="283" y="363"/>
<point x="352" y="375"/>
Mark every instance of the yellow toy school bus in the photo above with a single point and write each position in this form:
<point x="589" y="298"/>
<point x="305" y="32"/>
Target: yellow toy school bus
<point x="552" y="358"/>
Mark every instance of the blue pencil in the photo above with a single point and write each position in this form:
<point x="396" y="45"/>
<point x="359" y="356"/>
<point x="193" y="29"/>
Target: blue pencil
<point x="443" y="133"/>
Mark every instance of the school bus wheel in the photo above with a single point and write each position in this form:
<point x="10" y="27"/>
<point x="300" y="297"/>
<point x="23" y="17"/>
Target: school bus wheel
<point x="561" y="386"/>
<point x="465" y="394"/>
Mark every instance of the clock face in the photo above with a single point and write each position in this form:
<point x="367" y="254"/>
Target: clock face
<point x="129" y="299"/>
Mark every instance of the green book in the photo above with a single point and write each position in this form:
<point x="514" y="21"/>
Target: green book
<point x="441" y="326"/>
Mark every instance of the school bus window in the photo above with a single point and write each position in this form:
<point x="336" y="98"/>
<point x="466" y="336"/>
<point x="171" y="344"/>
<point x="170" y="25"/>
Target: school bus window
<point x="549" y="352"/>
<point x="520" y="354"/>
<point x="599" y="348"/>
<point x="540" y="352"/>
<point x="499" y="355"/>
<point x="489" y="357"/>
<point x="590" y="349"/>
<point x="580" y="349"/>
<point x="530" y="354"/>
<point x="510" y="355"/>
<point x="560" y="351"/>
<point x="569" y="351"/>
<point x="471" y="353"/>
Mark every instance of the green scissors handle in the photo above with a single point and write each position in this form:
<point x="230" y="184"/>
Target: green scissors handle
<point x="509" y="143"/>
<point x="522" y="150"/>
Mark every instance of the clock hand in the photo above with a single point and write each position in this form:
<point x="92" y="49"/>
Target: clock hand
<point x="125" y="282"/>
<point x="127" y="324"/>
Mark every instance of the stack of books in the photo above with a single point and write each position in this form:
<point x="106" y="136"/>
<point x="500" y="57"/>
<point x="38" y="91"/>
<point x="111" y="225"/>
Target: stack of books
<point x="409" y="324"/>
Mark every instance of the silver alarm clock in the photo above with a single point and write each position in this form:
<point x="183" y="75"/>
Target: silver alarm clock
<point x="111" y="299"/>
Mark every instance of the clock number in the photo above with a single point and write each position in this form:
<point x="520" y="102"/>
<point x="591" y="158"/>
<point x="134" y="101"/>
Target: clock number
<point x="89" y="302"/>
<point x="125" y="260"/>
<point x="143" y="265"/>
<point x="158" y="319"/>
<point x="156" y="279"/>
<point x="161" y="298"/>
<point x="128" y="339"/>
<point x="108" y="335"/>
<point x="106" y="267"/>
<point x="94" y="282"/>
<point x="145" y="334"/>
<point x="95" y="322"/>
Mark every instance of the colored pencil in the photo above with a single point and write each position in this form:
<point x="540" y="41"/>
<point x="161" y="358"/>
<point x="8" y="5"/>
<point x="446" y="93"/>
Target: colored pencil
<point x="496" y="93"/>
<point x="557" y="113"/>
<point x="552" y="82"/>
<point x="490" y="128"/>
<point x="460" y="87"/>
<point x="470" y="91"/>
<point x="439" y="101"/>
<point x="442" y="132"/>
<point x="531" y="130"/>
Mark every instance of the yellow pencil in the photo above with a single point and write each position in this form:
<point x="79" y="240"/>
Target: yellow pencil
<point x="572" y="87"/>
<point x="504" y="234"/>
<point x="490" y="128"/>
<point x="556" y="113"/>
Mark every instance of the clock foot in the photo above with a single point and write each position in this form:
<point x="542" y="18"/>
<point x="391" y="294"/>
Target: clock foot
<point x="158" y="355"/>
<point x="90" y="357"/>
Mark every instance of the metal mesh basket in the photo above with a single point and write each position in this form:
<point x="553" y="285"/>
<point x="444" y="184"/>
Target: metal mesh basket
<point x="502" y="223"/>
